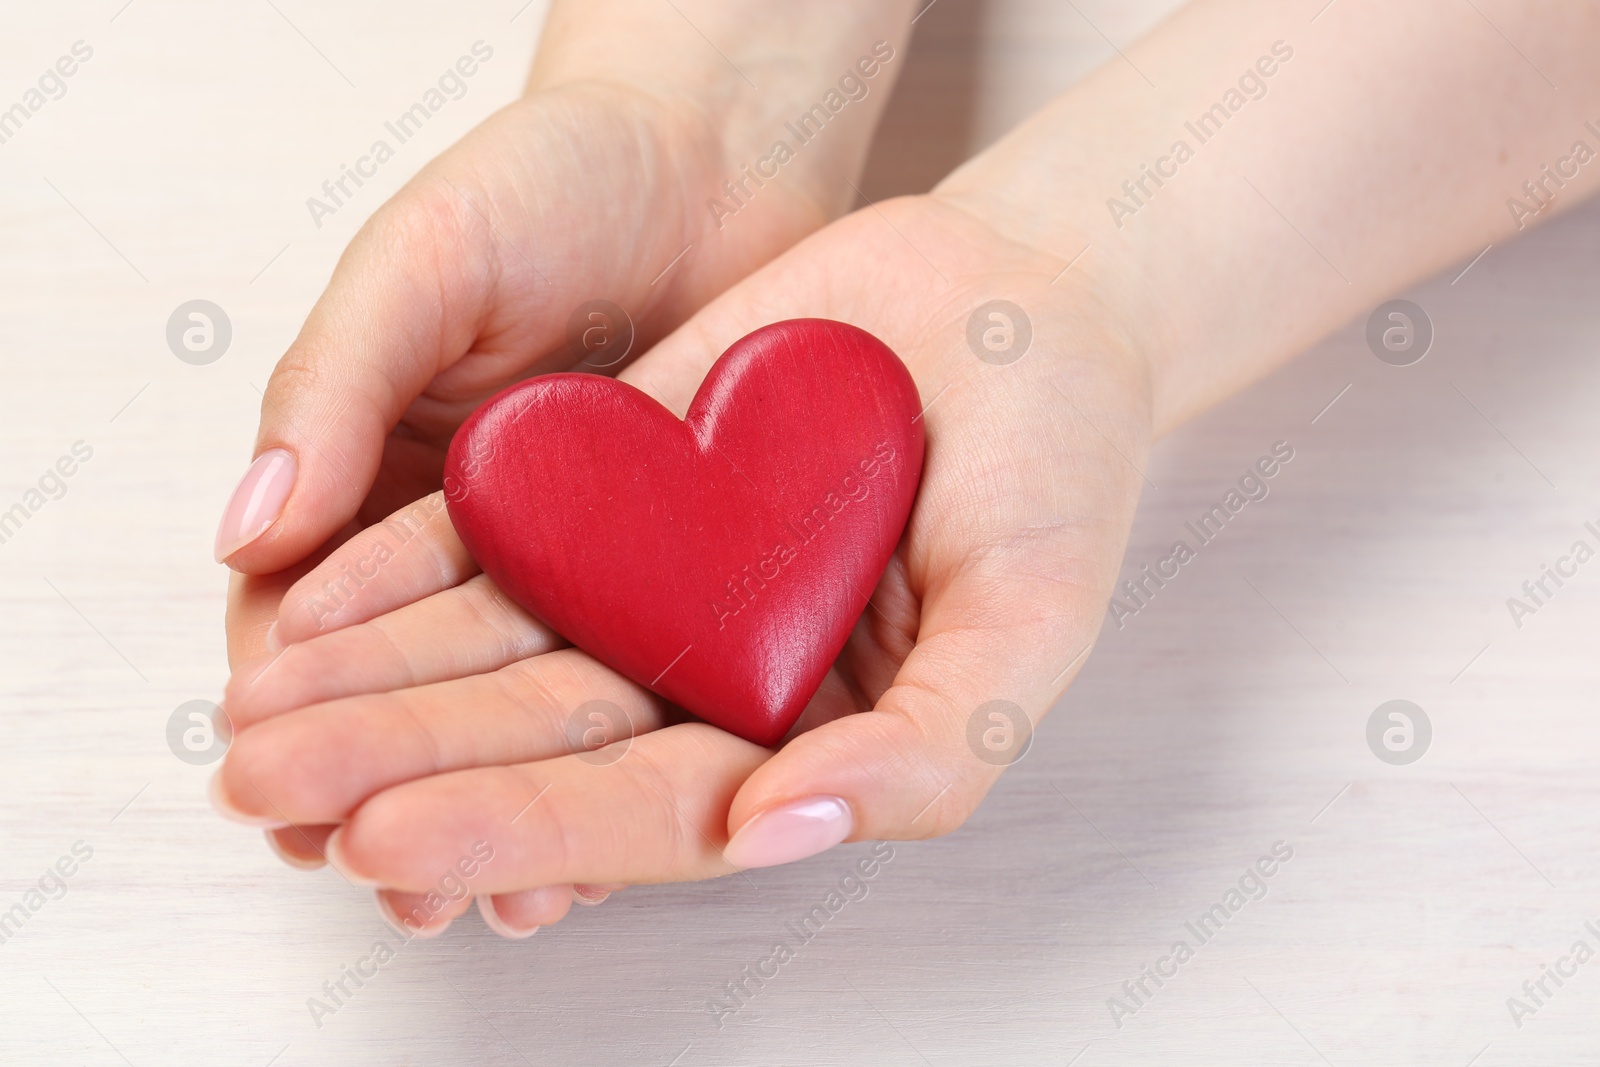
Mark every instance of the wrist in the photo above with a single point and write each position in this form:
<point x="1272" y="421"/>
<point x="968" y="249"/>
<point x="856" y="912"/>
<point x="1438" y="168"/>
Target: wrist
<point x="782" y="95"/>
<point x="1115" y="317"/>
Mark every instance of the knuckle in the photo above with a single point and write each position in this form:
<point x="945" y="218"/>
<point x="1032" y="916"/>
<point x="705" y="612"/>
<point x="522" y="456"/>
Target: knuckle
<point x="525" y="685"/>
<point x="929" y="734"/>
<point x="299" y="374"/>
<point x="548" y="829"/>
<point x="426" y="224"/>
<point x="427" y="214"/>
<point x="414" y="721"/>
<point x="680" y="844"/>
<point x="488" y="619"/>
<point x="947" y="815"/>
<point x="376" y="643"/>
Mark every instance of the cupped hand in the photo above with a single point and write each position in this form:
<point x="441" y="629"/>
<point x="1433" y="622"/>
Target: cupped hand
<point x="424" y="713"/>
<point x="468" y="280"/>
<point x="471" y="278"/>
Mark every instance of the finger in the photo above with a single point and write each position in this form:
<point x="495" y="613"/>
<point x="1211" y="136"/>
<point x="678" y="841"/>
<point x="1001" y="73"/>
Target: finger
<point x="410" y="555"/>
<point x="471" y="629"/>
<point x="316" y="764"/>
<point x="406" y="300"/>
<point x="253" y="601"/>
<point x="1014" y="587"/>
<point x="300" y="846"/>
<point x="905" y="769"/>
<point x="520" y="914"/>
<point x="424" y="915"/>
<point x="657" y="814"/>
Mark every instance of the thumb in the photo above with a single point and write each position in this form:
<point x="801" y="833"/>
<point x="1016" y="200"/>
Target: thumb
<point x="1002" y="631"/>
<point x="404" y="302"/>
<point x="961" y="709"/>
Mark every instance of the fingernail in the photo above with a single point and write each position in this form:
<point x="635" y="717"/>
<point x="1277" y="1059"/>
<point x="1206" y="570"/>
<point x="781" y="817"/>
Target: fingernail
<point x="273" y="642"/>
<point x="308" y="862"/>
<point x="257" y="502"/>
<point x="493" y="921"/>
<point x="386" y="909"/>
<point x="791" y="832"/>
<point x="225" y="807"/>
<point x="333" y="850"/>
<point x="590" y="895"/>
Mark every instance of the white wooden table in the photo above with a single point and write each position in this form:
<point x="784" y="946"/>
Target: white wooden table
<point x="1226" y="716"/>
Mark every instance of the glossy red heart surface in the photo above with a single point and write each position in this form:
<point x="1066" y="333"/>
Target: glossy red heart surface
<point x="720" y="560"/>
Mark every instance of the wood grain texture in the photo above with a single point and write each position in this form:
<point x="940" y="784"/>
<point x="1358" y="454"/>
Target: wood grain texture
<point x="1227" y="715"/>
<point x="719" y="560"/>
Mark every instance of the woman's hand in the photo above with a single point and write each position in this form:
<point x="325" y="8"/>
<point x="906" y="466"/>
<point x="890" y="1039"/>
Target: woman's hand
<point x="595" y="186"/>
<point x="425" y="713"/>
<point x="434" y="717"/>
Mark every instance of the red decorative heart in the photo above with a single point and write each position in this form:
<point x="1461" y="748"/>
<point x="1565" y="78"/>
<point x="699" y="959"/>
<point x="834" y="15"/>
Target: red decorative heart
<point x="721" y="561"/>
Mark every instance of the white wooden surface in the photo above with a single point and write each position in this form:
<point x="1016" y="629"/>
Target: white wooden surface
<point x="1219" y="721"/>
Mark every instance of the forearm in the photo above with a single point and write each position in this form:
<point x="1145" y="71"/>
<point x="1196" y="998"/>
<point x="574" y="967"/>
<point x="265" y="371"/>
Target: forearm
<point x="1387" y="146"/>
<point x="746" y="69"/>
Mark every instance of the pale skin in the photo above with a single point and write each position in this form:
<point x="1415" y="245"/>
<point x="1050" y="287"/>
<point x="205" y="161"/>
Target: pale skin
<point x="427" y="712"/>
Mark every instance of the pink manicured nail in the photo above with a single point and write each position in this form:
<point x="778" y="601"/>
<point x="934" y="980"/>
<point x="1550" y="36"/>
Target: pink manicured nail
<point x="793" y="832"/>
<point x="224" y="806"/>
<point x="493" y="921"/>
<point x="258" y="501"/>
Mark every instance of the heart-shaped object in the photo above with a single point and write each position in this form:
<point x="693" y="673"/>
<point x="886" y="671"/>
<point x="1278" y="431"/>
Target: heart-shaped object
<point x="722" y="560"/>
